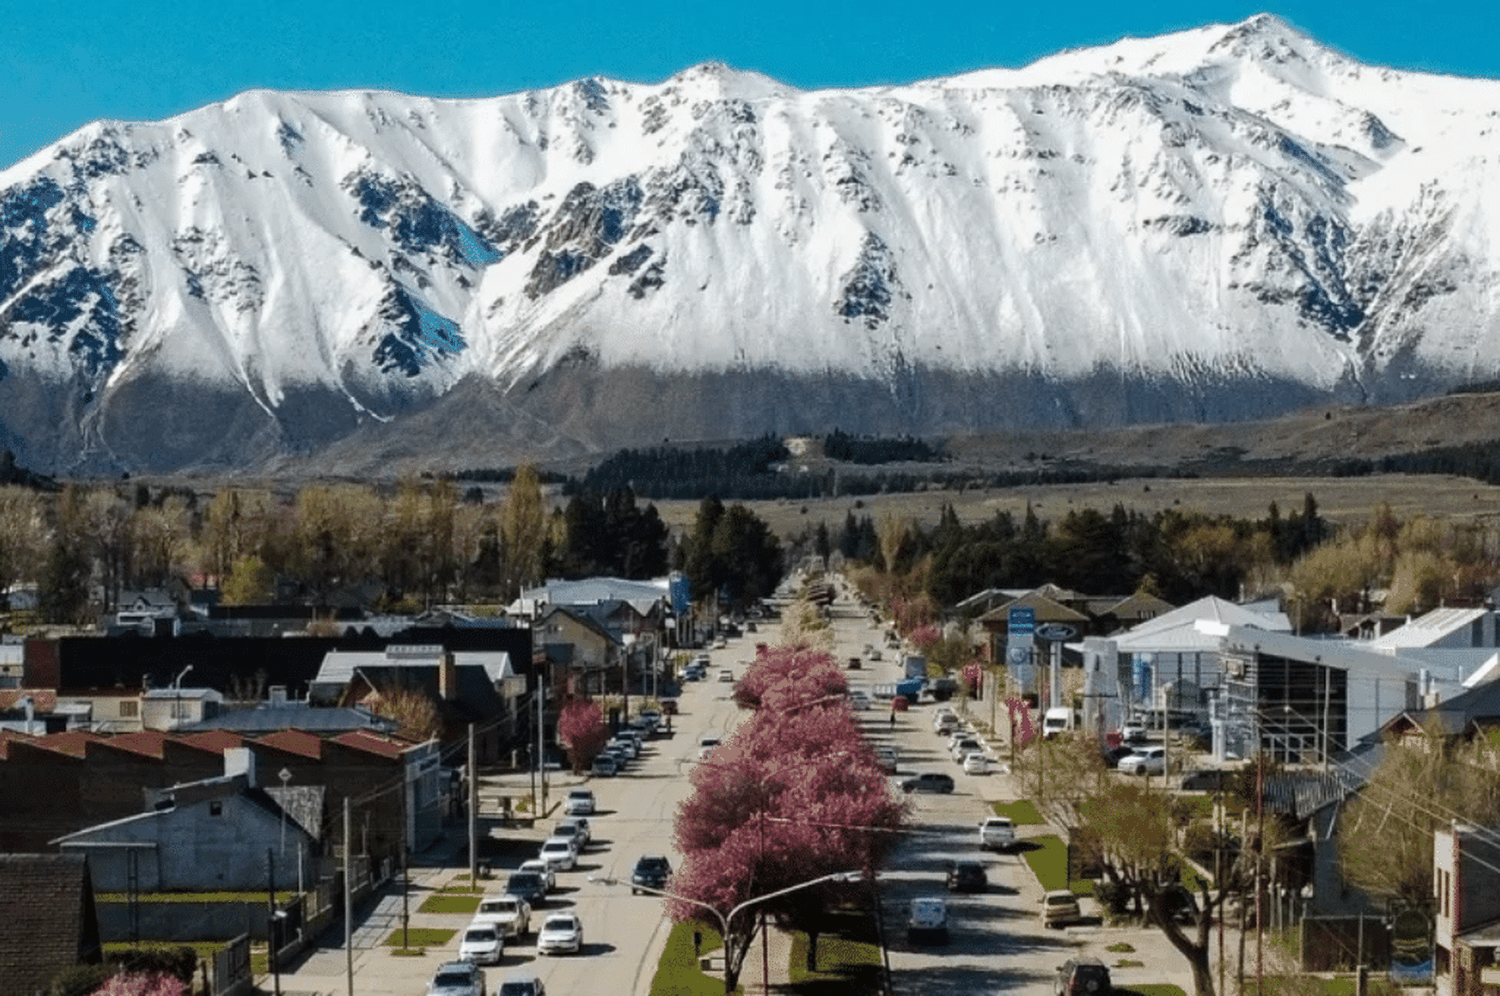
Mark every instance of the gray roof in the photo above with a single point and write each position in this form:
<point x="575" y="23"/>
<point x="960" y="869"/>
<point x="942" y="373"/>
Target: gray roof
<point x="308" y="719"/>
<point x="339" y="665"/>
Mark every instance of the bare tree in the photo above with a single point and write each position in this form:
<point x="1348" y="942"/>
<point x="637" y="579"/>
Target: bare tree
<point x="21" y="532"/>
<point x="523" y="529"/>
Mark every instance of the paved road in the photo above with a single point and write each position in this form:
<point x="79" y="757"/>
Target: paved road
<point x="998" y="944"/>
<point x="622" y="933"/>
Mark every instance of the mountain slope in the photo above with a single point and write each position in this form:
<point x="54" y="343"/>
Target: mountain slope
<point x="1213" y="225"/>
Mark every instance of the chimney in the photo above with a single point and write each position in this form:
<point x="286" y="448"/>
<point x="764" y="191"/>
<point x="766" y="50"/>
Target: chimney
<point x="447" y="676"/>
<point x="278" y="695"/>
<point x="240" y="761"/>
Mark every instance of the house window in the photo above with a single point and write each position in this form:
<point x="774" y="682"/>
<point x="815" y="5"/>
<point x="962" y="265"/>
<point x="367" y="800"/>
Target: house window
<point x="129" y="708"/>
<point x="216" y="807"/>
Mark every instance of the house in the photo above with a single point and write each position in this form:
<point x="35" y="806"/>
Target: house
<point x="481" y="688"/>
<point x="1466" y="885"/>
<point x="171" y="708"/>
<point x="591" y="656"/>
<point x="218" y="834"/>
<point x="48" y="901"/>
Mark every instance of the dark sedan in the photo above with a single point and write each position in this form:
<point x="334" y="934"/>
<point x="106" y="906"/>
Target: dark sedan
<point x="653" y="871"/>
<point x="967" y="876"/>
<point x="929" y="781"/>
<point x="529" y="886"/>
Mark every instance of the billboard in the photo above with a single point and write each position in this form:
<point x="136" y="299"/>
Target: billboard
<point x="680" y="586"/>
<point x="1020" y="641"/>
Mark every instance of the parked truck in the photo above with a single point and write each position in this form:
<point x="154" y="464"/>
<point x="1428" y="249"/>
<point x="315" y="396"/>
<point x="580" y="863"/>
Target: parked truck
<point x="915" y="666"/>
<point x="1058" y="720"/>
<point x="910" y="689"/>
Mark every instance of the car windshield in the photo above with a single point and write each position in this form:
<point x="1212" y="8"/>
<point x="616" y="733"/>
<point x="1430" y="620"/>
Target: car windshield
<point x="1059" y="900"/>
<point x="524" y="880"/>
<point x="518" y="989"/>
<point x="480" y="936"/>
<point x="560" y="923"/>
<point x="451" y="979"/>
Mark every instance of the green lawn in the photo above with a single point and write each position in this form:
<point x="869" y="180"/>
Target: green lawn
<point x="1022" y="813"/>
<point x="442" y="902"/>
<point x="419" y="937"/>
<point x="678" y="974"/>
<point x="1154" y="989"/>
<point x="849" y="959"/>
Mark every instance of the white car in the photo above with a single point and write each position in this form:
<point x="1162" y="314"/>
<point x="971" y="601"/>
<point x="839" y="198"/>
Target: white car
<point x="943" y="714"/>
<point x="482" y="944"/>
<point x="997" y="833"/>
<point x="726" y="675"/>
<point x="706" y="747"/>
<point x="580" y="803"/>
<point x="605" y="765"/>
<point x="859" y="700"/>
<point x="510" y="915"/>
<point x="561" y="933"/>
<point x="576" y="827"/>
<point x="542" y="868"/>
<point x="560" y="853"/>
<point x="976" y="763"/>
<point x="966" y="746"/>
<point x="1145" y="761"/>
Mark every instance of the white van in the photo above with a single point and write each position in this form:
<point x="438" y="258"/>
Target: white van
<point x="1058" y="720"/>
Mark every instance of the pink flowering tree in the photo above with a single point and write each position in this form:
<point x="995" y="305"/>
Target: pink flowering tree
<point x="795" y="794"/>
<point x="790" y="675"/>
<point x="582" y="730"/>
<point x="142" y="984"/>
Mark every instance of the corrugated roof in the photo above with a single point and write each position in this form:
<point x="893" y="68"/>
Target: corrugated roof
<point x="1425" y="630"/>
<point x="293" y="742"/>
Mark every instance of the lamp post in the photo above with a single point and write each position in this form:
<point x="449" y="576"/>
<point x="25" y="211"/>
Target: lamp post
<point x="726" y="919"/>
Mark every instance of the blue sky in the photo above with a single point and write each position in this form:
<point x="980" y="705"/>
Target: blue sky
<point x="66" y="64"/>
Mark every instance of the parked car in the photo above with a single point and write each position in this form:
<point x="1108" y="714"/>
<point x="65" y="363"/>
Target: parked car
<point x="967" y="876"/>
<point x="482" y="944"/>
<point x="1134" y="731"/>
<point x="886" y="758"/>
<point x="1083" y="976"/>
<point x="522" y="984"/>
<point x="652" y="716"/>
<point x="457" y="978"/>
<point x="1059" y="907"/>
<point x="873" y="654"/>
<point x="1114" y="755"/>
<point x="976" y="763"/>
<point x="1145" y="761"/>
<point x="561" y="933"/>
<point x="929" y="781"/>
<point x="726" y="674"/>
<point x="997" y="833"/>
<point x="927" y="920"/>
<point x="528" y="885"/>
<point x="629" y="747"/>
<point x="944" y="715"/>
<point x="580" y="802"/>
<point x="560" y="852"/>
<point x="653" y="871"/>
<point x="542" y="868"/>
<point x="605" y="766"/>
<point x="510" y="914"/>
<point x="576" y="827"/>
<point x="1207" y="780"/>
<point x="859" y="700"/>
<point x="706" y="747"/>
<point x="965" y="746"/>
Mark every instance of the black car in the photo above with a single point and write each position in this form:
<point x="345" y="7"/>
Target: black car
<point x="1114" y="755"/>
<point x="653" y="871"/>
<point x="530" y="886"/>
<point x="1209" y="780"/>
<point x="967" y="876"/>
<point x="929" y="781"/>
<point x="1082" y="977"/>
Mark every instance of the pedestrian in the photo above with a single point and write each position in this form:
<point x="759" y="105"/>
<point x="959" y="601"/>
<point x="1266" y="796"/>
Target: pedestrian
<point x="893" y="718"/>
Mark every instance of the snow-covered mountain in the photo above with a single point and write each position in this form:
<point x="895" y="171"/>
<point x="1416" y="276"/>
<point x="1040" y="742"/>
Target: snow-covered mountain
<point x="1218" y="224"/>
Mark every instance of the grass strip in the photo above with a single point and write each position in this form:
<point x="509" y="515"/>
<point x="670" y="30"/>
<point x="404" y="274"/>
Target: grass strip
<point x="419" y="937"/>
<point x="1022" y="812"/>
<point x="447" y="903"/>
<point x="678" y="973"/>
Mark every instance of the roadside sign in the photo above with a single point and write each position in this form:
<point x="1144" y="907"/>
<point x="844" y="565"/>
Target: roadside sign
<point x="1056" y="632"/>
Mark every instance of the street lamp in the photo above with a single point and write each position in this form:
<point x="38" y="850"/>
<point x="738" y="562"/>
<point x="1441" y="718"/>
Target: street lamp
<point x="726" y="919"/>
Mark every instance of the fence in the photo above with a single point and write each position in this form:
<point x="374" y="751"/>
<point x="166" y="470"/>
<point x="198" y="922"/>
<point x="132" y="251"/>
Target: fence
<point x="1343" y="943"/>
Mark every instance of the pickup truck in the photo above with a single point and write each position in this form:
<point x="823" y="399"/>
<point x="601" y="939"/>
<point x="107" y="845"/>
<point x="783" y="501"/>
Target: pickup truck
<point x="997" y="834"/>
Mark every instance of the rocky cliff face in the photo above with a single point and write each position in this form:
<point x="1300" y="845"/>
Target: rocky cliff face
<point x="1220" y="224"/>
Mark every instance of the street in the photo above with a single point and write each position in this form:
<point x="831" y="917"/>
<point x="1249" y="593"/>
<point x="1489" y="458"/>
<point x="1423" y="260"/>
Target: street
<point x="997" y="941"/>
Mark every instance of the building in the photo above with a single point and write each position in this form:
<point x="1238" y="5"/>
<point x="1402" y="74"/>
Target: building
<point x="222" y="834"/>
<point x="1466" y="885"/>
<point x="48" y="900"/>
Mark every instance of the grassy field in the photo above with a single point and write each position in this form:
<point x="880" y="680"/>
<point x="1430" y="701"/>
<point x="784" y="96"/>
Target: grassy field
<point x="678" y="972"/>
<point x="1022" y="812"/>
<point x="1342" y="500"/>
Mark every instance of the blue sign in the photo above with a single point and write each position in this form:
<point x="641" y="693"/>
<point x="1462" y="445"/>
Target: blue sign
<point x="681" y="588"/>
<point x="1022" y="621"/>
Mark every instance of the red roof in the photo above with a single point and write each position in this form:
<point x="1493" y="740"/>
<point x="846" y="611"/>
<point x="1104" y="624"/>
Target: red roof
<point x="217" y="741"/>
<point x="43" y="699"/>
<point x="147" y="743"/>
<point x="73" y="743"/>
<point x="294" y="742"/>
<point x="373" y="743"/>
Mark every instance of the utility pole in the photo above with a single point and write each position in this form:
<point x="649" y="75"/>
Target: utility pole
<point x="271" y="951"/>
<point x="348" y="899"/>
<point x="473" y="806"/>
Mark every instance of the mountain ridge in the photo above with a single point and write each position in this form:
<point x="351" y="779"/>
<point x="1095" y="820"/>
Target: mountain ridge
<point x="1201" y="227"/>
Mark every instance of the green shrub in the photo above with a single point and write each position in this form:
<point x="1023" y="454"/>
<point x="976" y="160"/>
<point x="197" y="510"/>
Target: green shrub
<point x="1113" y="896"/>
<point x="79" y="980"/>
